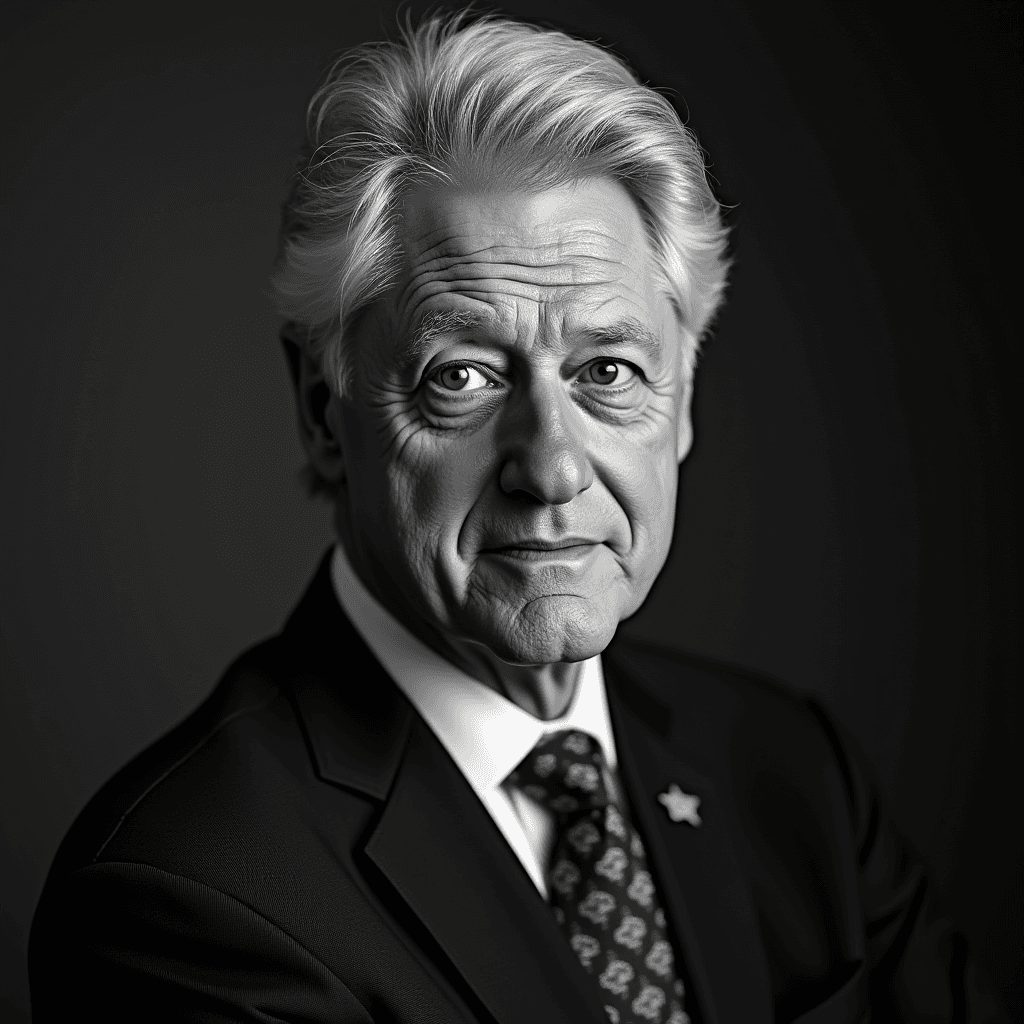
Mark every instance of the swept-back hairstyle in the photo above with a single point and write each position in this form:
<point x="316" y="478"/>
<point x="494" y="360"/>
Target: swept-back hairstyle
<point x="461" y="100"/>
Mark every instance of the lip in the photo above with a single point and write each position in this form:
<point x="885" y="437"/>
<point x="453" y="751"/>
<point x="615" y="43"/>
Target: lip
<point x="535" y="549"/>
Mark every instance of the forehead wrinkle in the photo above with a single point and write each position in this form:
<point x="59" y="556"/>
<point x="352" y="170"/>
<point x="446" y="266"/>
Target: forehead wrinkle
<point x="482" y="291"/>
<point x="447" y="241"/>
<point x="499" y="264"/>
<point x="573" y="269"/>
<point x="515" y="282"/>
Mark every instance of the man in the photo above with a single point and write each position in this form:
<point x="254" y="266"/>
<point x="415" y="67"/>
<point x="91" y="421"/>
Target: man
<point x="443" y="792"/>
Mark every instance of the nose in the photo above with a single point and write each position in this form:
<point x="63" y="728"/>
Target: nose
<point x="544" y="455"/>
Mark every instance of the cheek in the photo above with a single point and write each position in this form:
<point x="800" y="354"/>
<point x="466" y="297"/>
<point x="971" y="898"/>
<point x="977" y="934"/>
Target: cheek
<point x="644" y="482"/>
<point x="433" y="486"/>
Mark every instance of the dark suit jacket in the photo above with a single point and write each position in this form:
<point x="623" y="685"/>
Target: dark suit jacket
<point x="302" y="848"/>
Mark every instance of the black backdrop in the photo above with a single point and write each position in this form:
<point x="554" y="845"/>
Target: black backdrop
<point x="847" y="516"/>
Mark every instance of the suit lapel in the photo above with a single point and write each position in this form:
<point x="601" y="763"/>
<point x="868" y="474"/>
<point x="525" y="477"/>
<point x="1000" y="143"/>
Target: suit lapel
<point x="434" y="841"/>
<point x="697" y="869"/>
<point x="443" y="853"/>
<point x="355" y="719"/>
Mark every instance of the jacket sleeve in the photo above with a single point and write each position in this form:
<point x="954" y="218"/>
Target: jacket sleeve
<point x="919" y="963"/>
<point x="123" y="942"/>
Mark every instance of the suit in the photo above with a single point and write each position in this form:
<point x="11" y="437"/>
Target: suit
<point x="302" y="848"/>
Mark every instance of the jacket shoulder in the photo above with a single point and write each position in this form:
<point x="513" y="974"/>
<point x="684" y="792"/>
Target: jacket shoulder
<point x="248" y="688"/>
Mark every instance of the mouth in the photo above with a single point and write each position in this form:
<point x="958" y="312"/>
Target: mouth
<point x="541" y="550"/>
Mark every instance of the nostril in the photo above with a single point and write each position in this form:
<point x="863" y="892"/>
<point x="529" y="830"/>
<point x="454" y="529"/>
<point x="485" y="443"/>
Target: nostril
<point x="550" y="477"/>
<point x="524" y="497"/>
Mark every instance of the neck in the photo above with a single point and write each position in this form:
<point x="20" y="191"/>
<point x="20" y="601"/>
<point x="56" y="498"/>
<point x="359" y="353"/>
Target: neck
<point x="544" y="691"/>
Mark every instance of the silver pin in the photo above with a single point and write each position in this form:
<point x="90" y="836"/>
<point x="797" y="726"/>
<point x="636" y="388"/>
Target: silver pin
<point x="680" y="806"/>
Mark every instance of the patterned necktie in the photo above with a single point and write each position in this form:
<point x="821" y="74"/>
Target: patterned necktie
<point x="601" y="890"/>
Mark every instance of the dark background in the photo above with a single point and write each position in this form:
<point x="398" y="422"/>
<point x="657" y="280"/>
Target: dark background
<point x="847" y="520"/>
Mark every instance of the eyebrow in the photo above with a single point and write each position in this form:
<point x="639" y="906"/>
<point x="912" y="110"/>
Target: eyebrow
<point x="438" y="322"/>
<point x="628" y="331"/>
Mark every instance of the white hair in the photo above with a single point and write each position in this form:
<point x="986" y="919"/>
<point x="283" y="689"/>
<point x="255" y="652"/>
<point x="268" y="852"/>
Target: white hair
<point x="457" y="100"/>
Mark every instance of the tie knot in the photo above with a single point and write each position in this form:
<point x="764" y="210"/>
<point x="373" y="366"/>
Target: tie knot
<point x="564" y="772"/>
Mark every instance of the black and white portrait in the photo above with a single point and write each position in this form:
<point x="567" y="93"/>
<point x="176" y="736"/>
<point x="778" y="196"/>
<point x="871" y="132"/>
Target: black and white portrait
<point x="510" y="514"/>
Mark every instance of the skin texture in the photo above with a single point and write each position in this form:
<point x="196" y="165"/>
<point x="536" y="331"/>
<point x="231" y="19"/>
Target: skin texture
<point x="507" y="456"/>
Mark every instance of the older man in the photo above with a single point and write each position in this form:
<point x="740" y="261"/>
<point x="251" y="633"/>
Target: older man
<point x="443" y="793"/>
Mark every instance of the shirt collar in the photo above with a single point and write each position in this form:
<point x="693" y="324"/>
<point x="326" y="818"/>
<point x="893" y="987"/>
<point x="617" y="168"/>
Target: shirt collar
<point x="485" y="733"/>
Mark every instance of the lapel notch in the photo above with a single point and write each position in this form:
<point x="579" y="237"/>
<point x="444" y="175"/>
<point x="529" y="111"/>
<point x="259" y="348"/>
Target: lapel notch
<point x="362" y="749"/>
<point x="355" y="718"/>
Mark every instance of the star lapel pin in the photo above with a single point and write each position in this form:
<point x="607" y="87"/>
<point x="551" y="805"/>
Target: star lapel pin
<point x="680" y="806"/>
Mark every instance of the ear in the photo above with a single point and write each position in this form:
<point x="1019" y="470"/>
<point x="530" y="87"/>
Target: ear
<point x="317" y="407"/>
<point x="684" y="424"/>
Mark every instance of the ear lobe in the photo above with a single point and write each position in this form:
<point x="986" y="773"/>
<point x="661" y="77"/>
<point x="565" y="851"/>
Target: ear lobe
<point x="317" y="410"/>
<point x="684" y="424"/>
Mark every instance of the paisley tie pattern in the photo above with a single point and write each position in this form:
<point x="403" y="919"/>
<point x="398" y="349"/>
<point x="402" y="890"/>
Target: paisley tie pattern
<point x="601" y="889"/>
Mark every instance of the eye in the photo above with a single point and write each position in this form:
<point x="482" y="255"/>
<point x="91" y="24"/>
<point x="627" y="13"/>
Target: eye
<point x="460" y="377"/>
<point x="608" y="372"/>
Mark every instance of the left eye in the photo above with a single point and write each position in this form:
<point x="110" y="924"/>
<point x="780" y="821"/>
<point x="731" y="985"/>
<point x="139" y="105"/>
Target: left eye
<point x="460" y="377"/>
<point x="608" y="371"/>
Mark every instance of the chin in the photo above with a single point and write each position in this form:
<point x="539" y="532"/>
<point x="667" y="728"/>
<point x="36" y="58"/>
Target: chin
<point x="554" y="629"/>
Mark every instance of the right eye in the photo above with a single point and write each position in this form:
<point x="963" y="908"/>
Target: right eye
<point x="460" y="377"/>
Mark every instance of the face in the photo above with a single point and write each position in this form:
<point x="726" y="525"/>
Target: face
<point x="518" y="411"/>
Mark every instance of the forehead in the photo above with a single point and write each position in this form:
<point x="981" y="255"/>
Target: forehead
<point x="578" y="250"/>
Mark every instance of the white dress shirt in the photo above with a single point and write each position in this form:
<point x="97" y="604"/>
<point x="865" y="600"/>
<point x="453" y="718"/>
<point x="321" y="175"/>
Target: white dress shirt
<point x="485" y="733"/>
